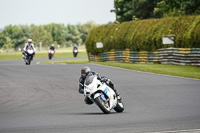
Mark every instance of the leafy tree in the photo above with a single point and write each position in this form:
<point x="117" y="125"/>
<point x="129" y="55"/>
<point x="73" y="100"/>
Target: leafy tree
<point x="39" y="34"/>
<point x="85" y="29"/>
<point x="9" y="36"/>
<point x="24" y="35"/>
<point x="8" y="43"/>
<point x="167" y="8"/>
<point x="126" y="10"/>
<point x="191" y="7"/>
<point x="47" y="34"/>
<point x="57" y="32"/>
<point x="73" y="35"/>
<point x="123" y="10"/>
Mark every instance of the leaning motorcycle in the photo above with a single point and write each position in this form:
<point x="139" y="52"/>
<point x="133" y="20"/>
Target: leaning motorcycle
<point x="28" y="55"/>
<point x="51" y="53"/>
<point x="101" y="94"/>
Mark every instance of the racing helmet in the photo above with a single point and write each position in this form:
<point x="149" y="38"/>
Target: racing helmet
<point x="85" y="71"/>
<point x="29" y="40"/>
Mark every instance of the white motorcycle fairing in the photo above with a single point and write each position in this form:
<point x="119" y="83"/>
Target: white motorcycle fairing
<point x="28" y="55"/>
<point x="101" y="94"/>
<point x="30" y="51"/>
<point x="75" y="51"/>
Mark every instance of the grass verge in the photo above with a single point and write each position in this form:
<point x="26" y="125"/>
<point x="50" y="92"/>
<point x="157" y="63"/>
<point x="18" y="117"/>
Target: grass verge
<point x="175" y="70"/>
<point x="75" y="61"/>
<point x="60" y="53"/>
<point x="18" y="55"/>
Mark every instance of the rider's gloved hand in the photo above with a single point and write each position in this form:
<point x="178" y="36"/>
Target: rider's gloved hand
<point x="104" y="79"/>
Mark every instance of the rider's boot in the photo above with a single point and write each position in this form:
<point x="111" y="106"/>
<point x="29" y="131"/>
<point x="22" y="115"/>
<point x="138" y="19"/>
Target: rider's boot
<point x="117" y="94"/>
<point x="23" y="55"/>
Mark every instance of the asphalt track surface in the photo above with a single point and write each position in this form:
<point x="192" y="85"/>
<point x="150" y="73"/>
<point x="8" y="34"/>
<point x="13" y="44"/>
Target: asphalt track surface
<point x="44" y="98"/>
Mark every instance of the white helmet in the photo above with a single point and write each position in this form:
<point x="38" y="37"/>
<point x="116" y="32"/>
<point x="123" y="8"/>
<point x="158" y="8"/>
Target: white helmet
<point x="29" y="40"/>
<point x="52" y="45"/>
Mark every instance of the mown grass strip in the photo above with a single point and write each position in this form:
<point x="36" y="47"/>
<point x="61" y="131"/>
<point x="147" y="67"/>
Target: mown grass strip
<point x="175" y="70"/>
<point x="75" y="61"/>
<point x="18" y="55"/>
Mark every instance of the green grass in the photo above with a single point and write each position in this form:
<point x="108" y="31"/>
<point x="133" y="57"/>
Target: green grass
<point x="15" y="56"/>
<point x="75" y="61"/>
<point x="10" y="56"/>
<point x="175" y="70"/>
<point x="60" y="53"/>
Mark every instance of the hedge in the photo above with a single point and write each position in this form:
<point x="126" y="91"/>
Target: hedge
<point x="146" y="34"/>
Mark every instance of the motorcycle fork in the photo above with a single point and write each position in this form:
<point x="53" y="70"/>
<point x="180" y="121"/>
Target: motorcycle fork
<point x="105" y="98"/>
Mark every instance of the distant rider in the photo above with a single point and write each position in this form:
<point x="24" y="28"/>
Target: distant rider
<point x="86" y="71"/>
<point x="75" y="50"/>
<point x="52" y="47"/>
<point x="29" y="45"/>
<point x="75" y="47"/>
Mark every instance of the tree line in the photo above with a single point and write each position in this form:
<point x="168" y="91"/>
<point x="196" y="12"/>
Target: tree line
<point x="127" y="10"/>
<point x="15" y="36"/>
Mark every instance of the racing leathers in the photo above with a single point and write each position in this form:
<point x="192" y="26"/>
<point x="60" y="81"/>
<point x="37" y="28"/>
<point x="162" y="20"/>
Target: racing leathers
<point x="28" y="46"/>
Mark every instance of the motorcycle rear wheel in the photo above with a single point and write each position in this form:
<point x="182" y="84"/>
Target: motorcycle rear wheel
<point x="119" y="107"/>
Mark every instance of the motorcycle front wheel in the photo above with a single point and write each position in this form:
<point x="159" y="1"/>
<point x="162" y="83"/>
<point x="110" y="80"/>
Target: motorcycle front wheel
<point x="50" y="56"/>
<point x="28" y="60"/>
<point x="104" y="106"/>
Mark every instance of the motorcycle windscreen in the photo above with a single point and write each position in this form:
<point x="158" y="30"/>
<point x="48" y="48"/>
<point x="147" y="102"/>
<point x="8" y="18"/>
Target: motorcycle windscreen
<point x="89" y="79"/>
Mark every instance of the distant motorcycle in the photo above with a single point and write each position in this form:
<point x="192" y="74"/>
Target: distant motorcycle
<point x="75" y="52"/>
<point x="51" y="53"/>
<point x="28" y="56"/>
<point x="102" y="95"/>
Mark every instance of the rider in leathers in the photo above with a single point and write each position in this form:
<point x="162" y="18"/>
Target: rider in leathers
<point x="29" y="45"/>
<point x="86" y="71"/>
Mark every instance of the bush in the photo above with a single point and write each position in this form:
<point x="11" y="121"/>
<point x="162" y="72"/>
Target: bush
<point x="146" y="34"/>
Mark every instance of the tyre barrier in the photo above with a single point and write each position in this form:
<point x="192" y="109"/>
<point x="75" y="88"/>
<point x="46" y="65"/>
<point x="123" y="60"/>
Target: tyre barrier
<point x="126" y="56"/>
<point x="178" y="56"/>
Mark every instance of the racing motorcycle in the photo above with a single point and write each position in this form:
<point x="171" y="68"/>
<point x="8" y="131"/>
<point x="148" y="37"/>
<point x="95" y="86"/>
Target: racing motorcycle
<point x="28" y="55"/>
<point x="75" y="52"/>
<point x="51" y="53"/>
<point x="101" y="94"/>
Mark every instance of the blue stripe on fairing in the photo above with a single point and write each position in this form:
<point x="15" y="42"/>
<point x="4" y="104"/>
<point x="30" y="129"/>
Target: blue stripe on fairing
<point x="103" y="98"/>
<point x="106" y="90"/>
